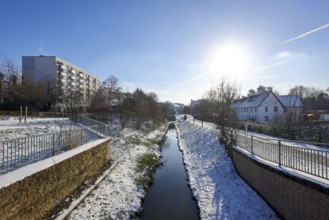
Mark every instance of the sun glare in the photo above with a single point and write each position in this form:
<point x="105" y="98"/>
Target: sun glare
<point x="228" y="59"/>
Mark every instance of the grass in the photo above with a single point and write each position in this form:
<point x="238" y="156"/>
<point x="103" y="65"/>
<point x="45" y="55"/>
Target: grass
<point x="146" y="166"/>
<point x="135" y="140"/>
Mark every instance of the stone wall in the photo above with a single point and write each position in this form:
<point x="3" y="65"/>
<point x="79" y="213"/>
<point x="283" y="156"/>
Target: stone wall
<point x="37" y="195"/>
<point x="291" y="196"/>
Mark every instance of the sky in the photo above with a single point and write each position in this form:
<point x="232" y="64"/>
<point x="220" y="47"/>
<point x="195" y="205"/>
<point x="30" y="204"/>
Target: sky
<point x="178" y="49"/>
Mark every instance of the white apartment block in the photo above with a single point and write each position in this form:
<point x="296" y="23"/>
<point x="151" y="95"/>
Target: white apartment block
<point x="69" y="80"/>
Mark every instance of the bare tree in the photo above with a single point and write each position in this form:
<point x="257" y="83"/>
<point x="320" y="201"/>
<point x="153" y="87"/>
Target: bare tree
<point x="98" y="103"/>
<point x="222" y="96"/>
<point x="9" y="69"/>
<point x="111" y="84"/>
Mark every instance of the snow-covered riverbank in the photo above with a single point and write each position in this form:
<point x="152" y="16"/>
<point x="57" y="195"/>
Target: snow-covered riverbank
<point x="220" y="192"/>
<point x="119" y="196"/>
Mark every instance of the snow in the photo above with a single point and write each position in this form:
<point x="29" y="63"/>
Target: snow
<point x="320" y="146"/>
<point x="118" y="196"/>
<point x="11" y="128"/>
<point x="14" y="154"/>
<point x="23" y="172"/>
<point x="220" y="192"/>
<point x="300" y="174"/>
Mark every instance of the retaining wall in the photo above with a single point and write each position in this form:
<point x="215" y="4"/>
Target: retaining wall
<point x="36" y="195"/>
<point x="291" y="196"/>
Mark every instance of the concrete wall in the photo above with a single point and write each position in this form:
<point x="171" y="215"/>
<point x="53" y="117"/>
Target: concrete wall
<point x="35" y="196"/>
<point x="291" y="196"/>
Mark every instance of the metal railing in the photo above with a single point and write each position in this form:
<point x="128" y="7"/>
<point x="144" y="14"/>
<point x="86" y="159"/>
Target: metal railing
<point x="284" y="153"/>
<point x="18" y="152"/>
<point x="98" y="127"/>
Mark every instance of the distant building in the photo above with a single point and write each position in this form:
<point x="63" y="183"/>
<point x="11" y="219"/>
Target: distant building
<point x="178" y="107"/>
<point x="197" y="108"/>
<point x="265" y="106"/>
<point x="56" y="73"/>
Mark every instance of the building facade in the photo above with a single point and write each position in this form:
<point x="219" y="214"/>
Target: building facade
<point x="74" y="85"/>
<point x="265" y="106"/>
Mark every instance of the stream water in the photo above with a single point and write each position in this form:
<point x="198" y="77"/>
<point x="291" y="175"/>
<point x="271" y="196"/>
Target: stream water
<point x="170" y="197"/>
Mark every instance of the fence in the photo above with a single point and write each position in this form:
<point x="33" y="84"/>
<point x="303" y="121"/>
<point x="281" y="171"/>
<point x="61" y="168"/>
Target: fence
<point x="15" y="153"/>
<point x="311" y="161"/>
<point x="33" y="114"/>
<point x="96" y="126"/>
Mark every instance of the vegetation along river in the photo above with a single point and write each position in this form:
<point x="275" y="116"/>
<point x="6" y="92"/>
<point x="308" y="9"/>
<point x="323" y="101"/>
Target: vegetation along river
<point x="170" y="196"/>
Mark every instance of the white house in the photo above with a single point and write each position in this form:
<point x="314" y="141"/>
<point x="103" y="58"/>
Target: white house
<point x="265" y="106"/>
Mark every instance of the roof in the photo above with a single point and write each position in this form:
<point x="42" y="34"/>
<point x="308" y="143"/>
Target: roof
<point x="257" y="100"/>
<point x="290" y="100"/>
<point x="250" y="101"/>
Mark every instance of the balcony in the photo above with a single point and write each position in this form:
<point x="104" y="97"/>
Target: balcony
<point x="61" y="66"/>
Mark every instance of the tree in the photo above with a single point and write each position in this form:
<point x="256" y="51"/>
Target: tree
<point x="251" y="92"/>
<point x="112" y="90"/>
<point x="111" y="84"/>
<point x="10" y="79"/>
<point x="10" y="69"/>
<point x="98" y="103"/>
<point x="221" y="96"/>
<point x="143" y="108"/>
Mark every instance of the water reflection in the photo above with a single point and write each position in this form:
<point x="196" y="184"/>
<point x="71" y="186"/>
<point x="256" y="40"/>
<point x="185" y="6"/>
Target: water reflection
<point x="170" y="197"/>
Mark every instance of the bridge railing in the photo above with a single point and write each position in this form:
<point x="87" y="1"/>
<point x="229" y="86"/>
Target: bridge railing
<point x="15" y="153"/>
<point x="288" y="153"/>
<point x="98" y="127"/>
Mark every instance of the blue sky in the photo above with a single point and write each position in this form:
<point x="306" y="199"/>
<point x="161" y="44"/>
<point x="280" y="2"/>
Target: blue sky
<point x="176" y="48"/>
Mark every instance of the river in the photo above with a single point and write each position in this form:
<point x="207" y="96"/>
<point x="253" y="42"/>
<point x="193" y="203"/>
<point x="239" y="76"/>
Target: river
<point x="170" y="196"/>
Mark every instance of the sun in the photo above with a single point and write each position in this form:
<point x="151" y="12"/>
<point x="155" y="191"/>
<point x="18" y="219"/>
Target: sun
<point x="228" y="59"/>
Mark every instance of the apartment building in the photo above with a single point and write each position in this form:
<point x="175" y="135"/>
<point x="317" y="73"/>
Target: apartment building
<point x="71" y="81"/>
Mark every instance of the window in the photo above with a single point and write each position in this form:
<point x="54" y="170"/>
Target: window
<point x="266" y="118"/>
<point x="251" y="109"/>
<point x="266" y="109"/>
<point x="275" y="108"/>
<point x="255" y="109"/>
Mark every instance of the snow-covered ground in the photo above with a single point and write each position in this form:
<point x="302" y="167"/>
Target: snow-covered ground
<point x="118" y="196"/>
<point x="11" y="128"/>
<point x="16" y="152"/>
<point x="220" y="192"/>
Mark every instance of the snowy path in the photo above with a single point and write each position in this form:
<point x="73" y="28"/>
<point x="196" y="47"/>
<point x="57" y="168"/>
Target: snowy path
<point x="220" y="192"/>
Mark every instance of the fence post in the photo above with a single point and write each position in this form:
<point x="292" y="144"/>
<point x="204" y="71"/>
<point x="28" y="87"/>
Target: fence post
<point x="53" y="144"/>
<point x="81" y="136"/>
<point x="279" y="144"/>
<point x="105" y="130"/>
<point x="236" y="140"/>
<point x="25" y="114"/>
<point x="252" y="145"/>
<point x="21" y="115"/>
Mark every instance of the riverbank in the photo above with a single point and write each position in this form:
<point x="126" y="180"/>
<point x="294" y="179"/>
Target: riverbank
<point x="218" y="189"/>
<point x="170" y="186"/>
<point x="120" y="193"/>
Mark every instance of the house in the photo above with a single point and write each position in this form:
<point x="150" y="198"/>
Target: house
<point x="265" y="106"/>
